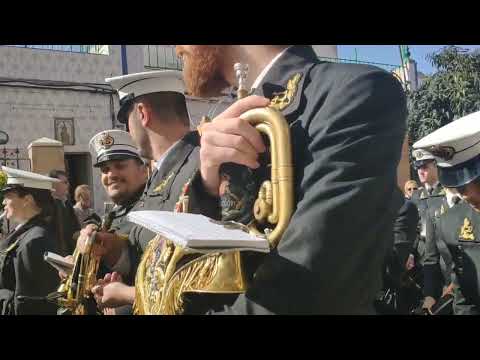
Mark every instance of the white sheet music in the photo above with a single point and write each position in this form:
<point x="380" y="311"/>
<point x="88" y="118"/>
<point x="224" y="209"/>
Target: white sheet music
<point x="58" y="262"/>
<point x="197" y="231"/>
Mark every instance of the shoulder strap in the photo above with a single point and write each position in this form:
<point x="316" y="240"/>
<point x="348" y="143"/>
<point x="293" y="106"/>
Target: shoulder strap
<point x="18" y="234"/>
<point x="11" y="247"/>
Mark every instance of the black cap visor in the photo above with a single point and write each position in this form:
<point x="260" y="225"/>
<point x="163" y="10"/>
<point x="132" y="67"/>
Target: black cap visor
<point x="461" y="174"/>
<point x="420" y="163"/>
<point x="125" y="106"/>
<point x="108" y="157"/>
<point x="14" y="187"/>
<point x="10" y="187"/>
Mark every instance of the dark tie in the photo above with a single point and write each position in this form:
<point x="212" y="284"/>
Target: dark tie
<point x="150" y="179"/>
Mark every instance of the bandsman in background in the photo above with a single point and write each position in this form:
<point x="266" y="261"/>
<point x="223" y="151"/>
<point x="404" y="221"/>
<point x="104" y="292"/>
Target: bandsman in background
<point x="456" y="147"/>
<point x="424" y="164"/>
<point x="25" y="278"/>
<point x="123" y="176"/>
<point x="427" y="198"/>
<point x="432" y="263"/>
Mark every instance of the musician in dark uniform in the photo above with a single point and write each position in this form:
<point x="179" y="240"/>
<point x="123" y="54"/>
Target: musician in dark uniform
<point x="404" y="277"/>
<point x="426" y="168"/>
<point x="438" y="270"/>
<point x="398" y="296"/>
<point x="329" y="259"/>
<point x="430" y="195"/>
<point x="154" y="108"/>
<point x="405" y="230"/>
<point x="25" y="278"/>
<point x="123" y="175"/>
<point x="457" y="232"/>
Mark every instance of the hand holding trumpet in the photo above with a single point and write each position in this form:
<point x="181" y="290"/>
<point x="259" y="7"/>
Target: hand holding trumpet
<point x="229" y="139"/>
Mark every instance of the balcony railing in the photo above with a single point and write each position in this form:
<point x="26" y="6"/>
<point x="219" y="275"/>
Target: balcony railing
<point x="87" y="49"/>
<point x="164" y="57"/>
<point x="388" y="67"/>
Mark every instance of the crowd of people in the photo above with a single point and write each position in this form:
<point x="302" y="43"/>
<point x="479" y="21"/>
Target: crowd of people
<point x="353" y="244"/>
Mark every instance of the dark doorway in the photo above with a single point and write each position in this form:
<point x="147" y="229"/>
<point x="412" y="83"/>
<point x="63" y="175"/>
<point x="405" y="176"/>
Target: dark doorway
<point x="79" y="170"/>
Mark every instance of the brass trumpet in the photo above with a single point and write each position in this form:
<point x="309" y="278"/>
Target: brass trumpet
<point x="274" y="204"/>
<point x="74" y="293"/>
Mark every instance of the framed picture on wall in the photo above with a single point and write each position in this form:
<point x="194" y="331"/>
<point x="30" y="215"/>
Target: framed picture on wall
<point x="65" y="130"/>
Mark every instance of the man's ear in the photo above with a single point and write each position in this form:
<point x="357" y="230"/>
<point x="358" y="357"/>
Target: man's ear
<point x="29" y="200"/>
<point x="144" y="114"/>
<point x="145" y="171"/>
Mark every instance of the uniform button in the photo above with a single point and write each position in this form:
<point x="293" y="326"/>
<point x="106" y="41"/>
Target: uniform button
<point x="460" y="259"/>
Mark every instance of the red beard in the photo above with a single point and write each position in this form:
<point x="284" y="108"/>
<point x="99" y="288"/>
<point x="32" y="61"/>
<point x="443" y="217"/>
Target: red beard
<point x="202" y="71"/>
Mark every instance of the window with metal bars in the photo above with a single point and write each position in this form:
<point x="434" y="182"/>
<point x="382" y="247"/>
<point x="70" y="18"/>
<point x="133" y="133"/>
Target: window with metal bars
<point x="161" y="57"/>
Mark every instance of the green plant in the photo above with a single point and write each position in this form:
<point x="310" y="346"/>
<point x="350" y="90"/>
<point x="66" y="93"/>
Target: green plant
<point x="451" y="92"/>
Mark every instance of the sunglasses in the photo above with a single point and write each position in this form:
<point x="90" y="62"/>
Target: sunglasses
<point x="410" y="189"/>
<point x="422" y="167"/>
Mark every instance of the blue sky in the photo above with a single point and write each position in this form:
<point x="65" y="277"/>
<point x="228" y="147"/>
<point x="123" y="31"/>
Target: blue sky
<point x="389" y="54"/>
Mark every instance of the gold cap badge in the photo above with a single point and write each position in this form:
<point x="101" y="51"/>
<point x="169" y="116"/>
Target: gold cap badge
<point x="106" y="141"/>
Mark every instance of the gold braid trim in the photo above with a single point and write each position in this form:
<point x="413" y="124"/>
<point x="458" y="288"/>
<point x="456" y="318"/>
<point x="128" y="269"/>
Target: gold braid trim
<point x="284" y="98"/>
<point x="216" y="273"/>
<point x="197" y="274"/>
<point x="143" y="279"/>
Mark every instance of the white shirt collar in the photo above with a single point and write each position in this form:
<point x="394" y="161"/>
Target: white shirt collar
<point x="264" y="72"/>
<point x="64" y="199"/>
<point x="450" y="197"/>
<point x="428" y="187"/>
<point x="19" y="226"/>
<point x="159" y="162"/>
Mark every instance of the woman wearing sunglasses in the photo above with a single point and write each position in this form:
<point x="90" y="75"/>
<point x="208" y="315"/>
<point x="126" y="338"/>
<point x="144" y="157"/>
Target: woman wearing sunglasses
<point x="410" y="187"/>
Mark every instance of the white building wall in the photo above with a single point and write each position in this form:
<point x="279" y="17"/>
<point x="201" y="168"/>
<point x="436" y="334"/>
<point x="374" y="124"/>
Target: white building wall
<point x="23" y="63"/>
<point x="27" y="114"/>
<point x="135" y="59"/>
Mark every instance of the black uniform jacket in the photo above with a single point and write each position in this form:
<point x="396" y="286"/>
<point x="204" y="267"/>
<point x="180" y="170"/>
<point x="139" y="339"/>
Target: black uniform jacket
<point x="457" y="235"/>
<point x="70" y="225"/>
<point x="24" y="273"/>
<point x="427" y="204"/>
